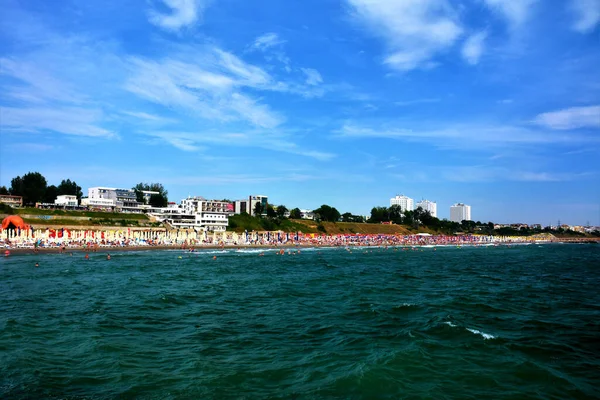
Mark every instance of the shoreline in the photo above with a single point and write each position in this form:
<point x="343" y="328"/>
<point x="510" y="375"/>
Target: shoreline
<point x="119" y="249"/>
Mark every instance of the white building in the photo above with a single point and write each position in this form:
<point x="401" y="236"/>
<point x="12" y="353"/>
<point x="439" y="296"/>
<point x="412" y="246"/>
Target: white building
<point x="197" y="213"/>
<point x="66" y="200"/>
<point x="307" y="214"/>
<point x="405" y="202"/>
<point x="460" y="212"/>
<point x="97" y="203"/>
<point x="124" y="199"/>
<point x="430" y="206"/>
<point x="248" y="205"/>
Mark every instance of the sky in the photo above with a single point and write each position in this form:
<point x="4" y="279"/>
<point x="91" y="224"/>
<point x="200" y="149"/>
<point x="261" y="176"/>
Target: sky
<point x="492" y="103"/>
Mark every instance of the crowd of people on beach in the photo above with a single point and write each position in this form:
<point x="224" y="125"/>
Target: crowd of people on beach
<point x="93" y="240"/>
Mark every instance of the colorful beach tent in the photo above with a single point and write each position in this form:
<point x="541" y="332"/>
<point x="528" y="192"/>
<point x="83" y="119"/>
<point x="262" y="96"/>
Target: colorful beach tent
<point x="14" y="222"/>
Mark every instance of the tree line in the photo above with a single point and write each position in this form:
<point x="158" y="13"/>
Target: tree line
<point x="156" y="200"/>
<point x="34" y="188"/>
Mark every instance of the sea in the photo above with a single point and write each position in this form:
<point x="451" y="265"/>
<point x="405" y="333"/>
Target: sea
<point x="489" y="322"/>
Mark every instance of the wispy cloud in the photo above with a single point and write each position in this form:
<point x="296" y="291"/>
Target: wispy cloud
<point x="473" y="47"/>
<point x="208" y="85"/>
<point x="69" y="121"/>
<point x="274" y="141"/>
<point x="36" y="84"/>
<point x="30" y="147"/>
<point x="143" y="116"/>
<point x="313" y="77"/>
<point x="266" y="41"/>
<point x="481" y="173"/>
<point x="515" y="12"/>
<point x="415" y="31"/>
<point x="570" y="118"/>
<point x="465" y="136"/>
<point x="417" y="101"/>
<point x="587" y="14"/>
<point x="182" y="13"/>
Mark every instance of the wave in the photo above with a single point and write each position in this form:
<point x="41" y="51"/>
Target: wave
<point x="486" y="336"/>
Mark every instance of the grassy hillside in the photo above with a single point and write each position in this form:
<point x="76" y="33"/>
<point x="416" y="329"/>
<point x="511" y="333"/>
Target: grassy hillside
<point x="60" y="218"/>
<point x="240" y="223"/>
<point x="89" y="214"/>
<point x="244" y="222"/>
<point x="332" y="228"/>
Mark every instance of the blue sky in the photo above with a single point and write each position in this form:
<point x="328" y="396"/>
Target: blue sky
<point x="344" y="102"/>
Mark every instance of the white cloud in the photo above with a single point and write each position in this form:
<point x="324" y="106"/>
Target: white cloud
<point x="515" y="12"/>
<point x="66" y="120"/>
<point x="587" y="14"/>
<point x="473" y="47"/>
<point x="571" y="118"/>
<point x="208" y="85"/>
<point x="415" y="31"/>
<point x="183" y="13"/>
<point x="270" y="140"/>
<point x="417" y="101"/>
<point x="266" y="41"/>
<point x="313" y="77"/>
<point x="466" y="136"/>
<point x="148" y="117"/>
<point x="40" y="86"/>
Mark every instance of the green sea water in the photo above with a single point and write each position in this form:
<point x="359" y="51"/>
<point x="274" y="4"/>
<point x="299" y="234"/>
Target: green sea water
<point x="519" y="322"/>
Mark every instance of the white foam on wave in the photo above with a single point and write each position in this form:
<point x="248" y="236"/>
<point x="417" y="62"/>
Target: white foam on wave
<point x="207" y="252"/>
<point x="404" y="305"/>
<point x="251" y="251"/>
<point x="302" y="249"/>
<point x="485" y="335"/>
<point x="450" y="324"/>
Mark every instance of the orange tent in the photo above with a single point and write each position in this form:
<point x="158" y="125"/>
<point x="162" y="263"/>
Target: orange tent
<point x="14" y="222"/>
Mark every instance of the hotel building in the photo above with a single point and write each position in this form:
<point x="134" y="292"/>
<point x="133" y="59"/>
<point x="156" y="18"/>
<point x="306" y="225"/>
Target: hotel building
<point x="196" y="213"/>
<point x="460" y="212"/>
<point x="248" y="205"/>
<point x="430" y="206"/>
<point x="405" y="202"/>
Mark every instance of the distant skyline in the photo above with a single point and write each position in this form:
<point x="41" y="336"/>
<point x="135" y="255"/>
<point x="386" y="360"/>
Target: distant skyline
<point x="491" y="103"/>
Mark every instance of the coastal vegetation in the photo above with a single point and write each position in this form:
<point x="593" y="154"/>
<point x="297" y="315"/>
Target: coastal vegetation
<point x="33" y="187"/>
<point x="156" y="200"/>
<point x="244" y="222"/>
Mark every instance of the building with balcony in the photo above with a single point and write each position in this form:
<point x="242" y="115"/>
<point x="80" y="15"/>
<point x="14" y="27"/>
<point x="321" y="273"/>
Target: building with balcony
<point x="66" y="200"/>
<point x="405" y="202"/>
<point x="196" y="213"/>
<point x="248" y="205"/>
<point x="13" y="201"/>
<point x="430" y="206"/>
<point x="124" y="199"/>
<point x="460" y="212"/>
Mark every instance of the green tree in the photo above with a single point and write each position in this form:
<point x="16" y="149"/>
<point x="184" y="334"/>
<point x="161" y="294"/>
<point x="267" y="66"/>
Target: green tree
<point x="154" y="187"/>
<point x="258" y="209"/>
<point x="139" y="196"/>
<point x="349" y="217"/>
<point x="16" y="186"/>
<point x="379" y="214"/>
<point x="68" y="187"/>
<point x="32" y="187"/>
<point x="295" y="213"/>
<point x="158" y="200"/>
<point x="327" y="213"/>
<point x="4" y="190"/>
<point x="51" y="193"/>
<point x="281" y="210"/>
<point x="271" y="213"/>
<point x="395" y="214"/>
